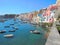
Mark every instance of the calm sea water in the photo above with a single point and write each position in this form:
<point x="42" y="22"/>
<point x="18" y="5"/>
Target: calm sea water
<point x="22" y="36"/>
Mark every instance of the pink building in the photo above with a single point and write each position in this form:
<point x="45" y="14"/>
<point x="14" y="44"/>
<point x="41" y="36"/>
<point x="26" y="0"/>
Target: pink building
<point x="48" y="15"/>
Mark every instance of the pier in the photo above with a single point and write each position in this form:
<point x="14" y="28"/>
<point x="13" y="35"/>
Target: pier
<point x="54" y="37"/>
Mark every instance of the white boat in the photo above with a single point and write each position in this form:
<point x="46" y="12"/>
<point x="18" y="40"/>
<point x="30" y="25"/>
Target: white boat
<point x="16" y="28"/>
<point x="2" y="20"/>
<point x="12" y="30"/>
<point x="24" y="21"/>
<point x="8" y="35"/>
<point x="35" y="31"/>
<point x="2" y="31"/>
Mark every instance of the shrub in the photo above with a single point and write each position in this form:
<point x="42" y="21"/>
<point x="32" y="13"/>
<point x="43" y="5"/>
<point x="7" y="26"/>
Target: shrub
<point x="58" y="28"/>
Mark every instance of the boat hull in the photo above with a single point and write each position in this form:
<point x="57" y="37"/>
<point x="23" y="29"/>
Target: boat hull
<point x="8" y="36"/>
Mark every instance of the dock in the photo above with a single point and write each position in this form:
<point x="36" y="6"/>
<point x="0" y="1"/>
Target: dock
<point x="54" y="37"/>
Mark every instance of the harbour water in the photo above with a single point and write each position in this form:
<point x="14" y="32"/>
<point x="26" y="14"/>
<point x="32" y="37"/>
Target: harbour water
<point x="22" y="35"/>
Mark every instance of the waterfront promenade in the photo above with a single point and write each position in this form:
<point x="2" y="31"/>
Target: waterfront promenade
<point x="54" y="37"/>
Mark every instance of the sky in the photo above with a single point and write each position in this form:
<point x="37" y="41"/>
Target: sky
<point x="23" y="6"/>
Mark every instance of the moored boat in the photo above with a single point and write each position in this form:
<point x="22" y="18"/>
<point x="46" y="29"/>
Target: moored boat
<point x="8" y="35"/>
<point x="11" y="24"/>
<point x="35" y="31"/>
<point x="6" y="26"/>
<point x="16" y="28"/>
<point x="2" y="20"/>
<point x="2" y="31"/>
<point x="12" y="30"/>
<point x="24" y="21"/>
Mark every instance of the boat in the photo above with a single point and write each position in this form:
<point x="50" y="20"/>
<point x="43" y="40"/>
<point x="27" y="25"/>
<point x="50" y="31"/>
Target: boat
<point x="33" y="23"/>
<point x="12" y="30"/>
<point x="6" y="26"/>
<point x="14" y="19"/>
<point x="11" y="24"/>
<point x="24" y="21"/>
<point x="8" y="35"/>
<point x="15" y="28"/>
<point x="2" y="31"/>
<point x="2" y="20"/>
<point x="35" y="31"/>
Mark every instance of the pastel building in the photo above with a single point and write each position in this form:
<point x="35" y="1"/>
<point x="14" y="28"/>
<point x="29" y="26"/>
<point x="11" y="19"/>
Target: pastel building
<point x="47" y="16"/>
<point x="44" y="15"/>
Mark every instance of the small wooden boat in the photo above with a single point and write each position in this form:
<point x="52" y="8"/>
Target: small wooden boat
<point x="33" y="23"/>
<point x="12" y="30"/>
<point x="2" y="20"/>
<point x="11" y="24"/>
<point x="35" y="31"/>
<point x="24" y="21"/>
<point x="2" y="31"/>
<point x="6" y="26"/>
<point x="15" y="28"/>
<point x="8" y="35"/>
<point x="14" y="19"/>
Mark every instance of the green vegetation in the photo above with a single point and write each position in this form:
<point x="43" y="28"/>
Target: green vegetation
<point x="58" y="17"/>
<point x="47" y="26"/>
<point x="58" y="27"/>
<point x="47" y="29"/>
